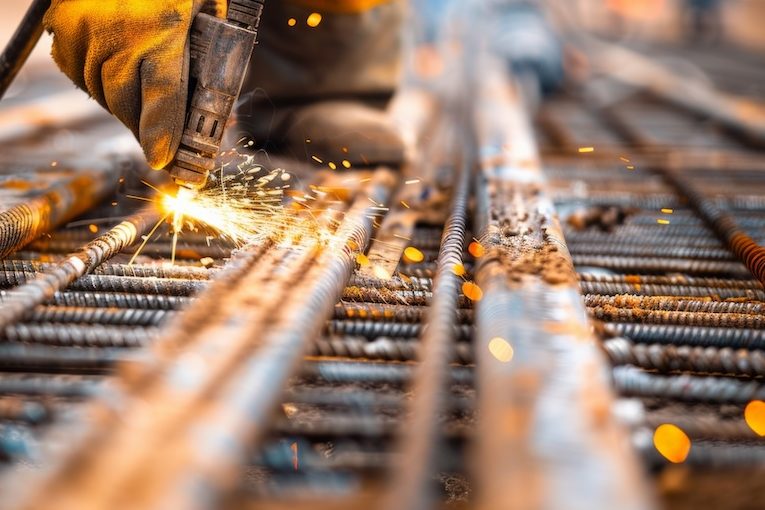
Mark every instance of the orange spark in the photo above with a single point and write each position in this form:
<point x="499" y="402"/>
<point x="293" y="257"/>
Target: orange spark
<point x="672" y="442"/>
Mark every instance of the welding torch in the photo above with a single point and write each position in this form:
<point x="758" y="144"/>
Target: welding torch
<point x="220" y="51"/>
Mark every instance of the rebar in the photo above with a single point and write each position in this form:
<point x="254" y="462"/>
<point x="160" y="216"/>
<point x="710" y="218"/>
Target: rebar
<point x="632" y="381"/>
<point x="78" y="192"/>
<point x="393" y="283"/>
<point x="115" y="300"/>
<point x="689" y="335"/>
<point x="33" y="412"/>
<point x="20" y="301"/>
<point x="676" y="358"/>
<point x="371" y="372"/>
<point x="421" y="437"/>
<point x="649" y="316"/>
<point x="103" y="316"/>
<point x="96" y="335"/>
<point x="32" y="358"/>
<point x="374" y="329"/>
<point x="132" y="270"/>
<point x="723" y="223"/>
<point x="110" y="283"/>
<point x="391" y="313"/>
<point x="538" y="363"/>
<point x="608" y="288"/>
<point x="644" y="249"/>
<point x="658" y="265"/>
<point x="183" y="251"/>
<point x="703" y="425"/>
<point x="667" y="303"/>
<point x="53" y="385"/>
<point x="639" y="280"/>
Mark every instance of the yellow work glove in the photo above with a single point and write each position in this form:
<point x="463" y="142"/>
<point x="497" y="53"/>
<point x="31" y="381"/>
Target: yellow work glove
<point x="132" y="56"/>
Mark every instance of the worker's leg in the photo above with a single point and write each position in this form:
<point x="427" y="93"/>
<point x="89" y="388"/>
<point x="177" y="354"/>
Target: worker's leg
<point x="318" y="84"/>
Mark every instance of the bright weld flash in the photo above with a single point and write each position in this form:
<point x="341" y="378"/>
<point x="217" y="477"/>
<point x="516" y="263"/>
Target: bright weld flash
<point x="179" y="205"/>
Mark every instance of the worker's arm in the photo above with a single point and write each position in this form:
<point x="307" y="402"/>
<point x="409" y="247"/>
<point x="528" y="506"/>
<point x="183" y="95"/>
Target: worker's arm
<point x="132" y="57"/>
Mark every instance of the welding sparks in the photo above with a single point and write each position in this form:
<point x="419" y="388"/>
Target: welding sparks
<point x="672" y="442"/>
<point x="248" y="207"/>
<point x="754" y="414"/>
<point x="313" y="19"/>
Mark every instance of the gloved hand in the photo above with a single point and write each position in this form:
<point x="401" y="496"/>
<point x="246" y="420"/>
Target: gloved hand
<point x="132" y="56"/>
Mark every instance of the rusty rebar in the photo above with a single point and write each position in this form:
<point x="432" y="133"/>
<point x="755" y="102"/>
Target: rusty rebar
<point x="132" y="270"/>
<point x="651" y="316"/>
<point x="78" y="192"/>
<point x="686" y="358"/>
<point x="79" y="335"/>
<point x="115" y="300"/>
<point x="613" y="288"/>
<point x="421" y="433"/>
<point x="20" y="301"/>
<point x="633" y="381"/>
<point x="689" y="335"/>
<point x="111" y="283"/>
<point x="668" y="303"/>
<point x="723" y="223"/>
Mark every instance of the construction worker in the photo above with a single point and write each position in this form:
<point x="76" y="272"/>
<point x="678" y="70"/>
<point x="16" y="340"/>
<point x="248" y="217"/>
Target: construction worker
<point x="319" y="78"/>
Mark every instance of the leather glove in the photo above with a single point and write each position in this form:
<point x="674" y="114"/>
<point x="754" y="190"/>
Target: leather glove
<point x="132" y="56"/>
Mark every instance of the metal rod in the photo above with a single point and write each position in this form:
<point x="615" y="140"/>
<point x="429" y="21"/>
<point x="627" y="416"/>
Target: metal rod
<point x="19" y="302"/>
<point x="73" y="195"/>
<point x="22" y="43"/>
<point x="539" y="367"/>
<point x="421" y="433"/>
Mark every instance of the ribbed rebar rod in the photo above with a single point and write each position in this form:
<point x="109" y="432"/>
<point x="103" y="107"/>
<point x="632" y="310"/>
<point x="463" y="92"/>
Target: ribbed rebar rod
<point x="689" y="335"/>
<point x="686" y="358"/>
<point x="374" y="329"/>
<point x="391" y="313"/>
<point x="32" y="358"/>
<point x="111" y="283"/>
<point x="723" y="223"/>
<point x="371" y="372"/>
<point x="659" y="303"/>
<point x="134" y="270"/>
<point x="80" y="335"/>
<point x="703" y="424"/>
<point x="22" y="300"/>
<point x="421" y="440"/>
<point x="183" y="250"/>
<point x="73" y="195"/>
<point x="539" y="371"/>
<point x="659" y="265"/>
<point x="633" y="381"/>
<point x="393" y="283"/>
<point x="98" y="315"/>
<point x="612" y="288"/>
<point x="640" y="280"/>
<point x="115" y="300"/>
<point x="54" y="385"/>
<point x="650" y="316"/>
<point x="613" y="248"/>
